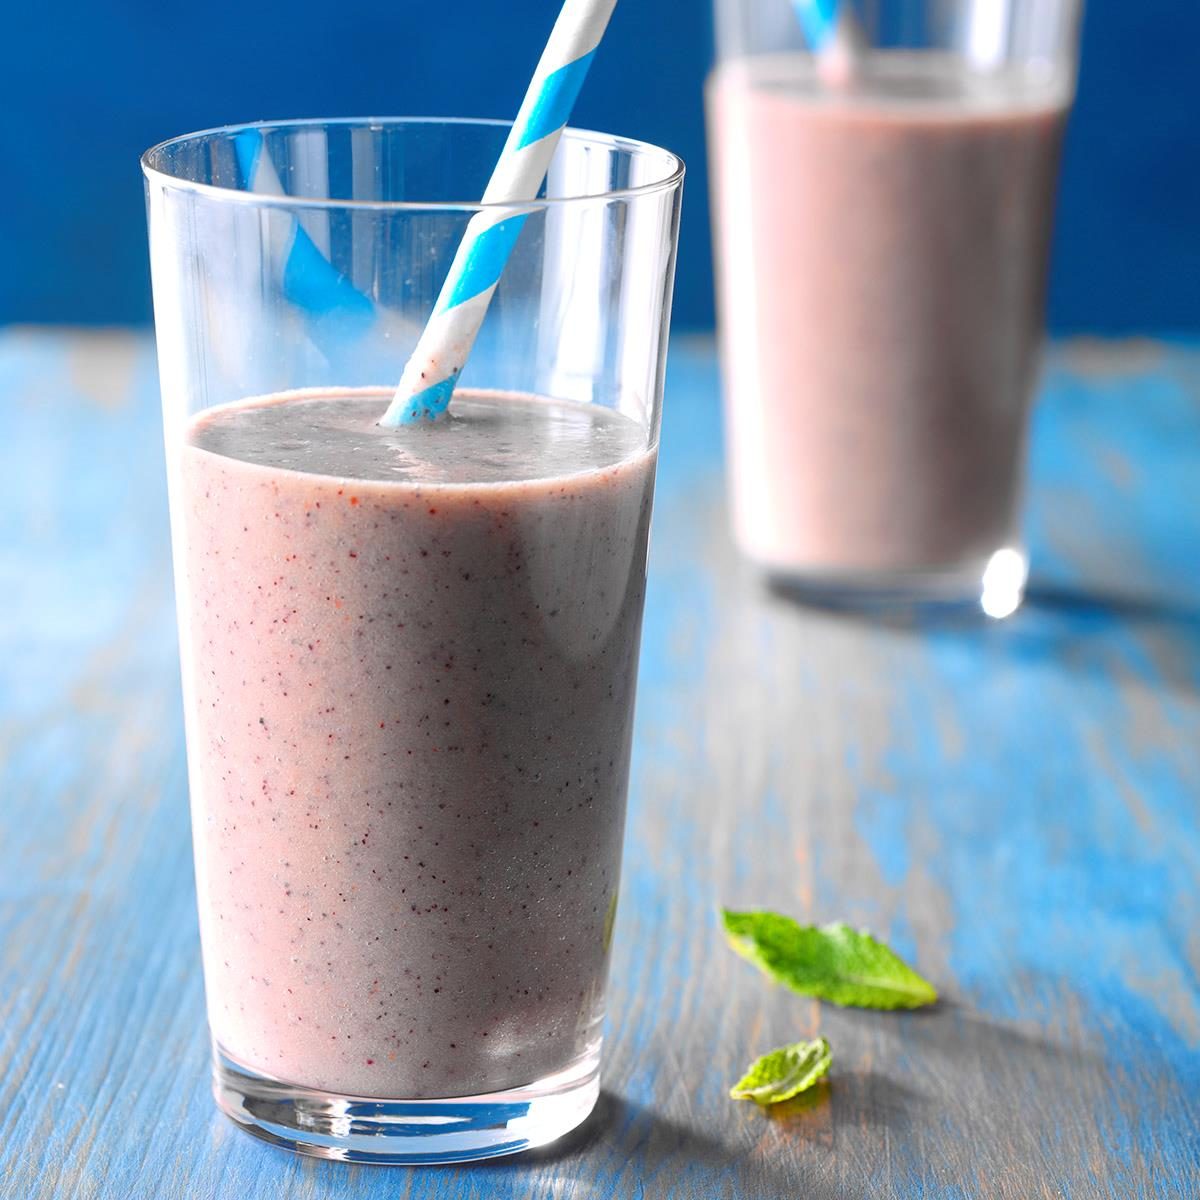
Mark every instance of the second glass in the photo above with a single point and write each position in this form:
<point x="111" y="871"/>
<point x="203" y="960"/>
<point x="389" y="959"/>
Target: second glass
<point x="883" y="192"/>
<point x="409" y="655"/>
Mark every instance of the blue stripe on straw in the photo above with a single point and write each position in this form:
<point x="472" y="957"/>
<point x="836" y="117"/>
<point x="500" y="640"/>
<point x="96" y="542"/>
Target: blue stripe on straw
<point x="819" y="19"/>
<point x="310" y="280"/>
<point x="484" y="262"/>
<point x="314" y="284"/>
<point x="553" y="107"/>
<point x="431" y="401"/>
<point x="248" y="145"/>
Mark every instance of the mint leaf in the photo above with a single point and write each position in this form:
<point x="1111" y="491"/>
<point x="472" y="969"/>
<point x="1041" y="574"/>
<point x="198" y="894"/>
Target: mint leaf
<point x="832" y="962"/>
<point x="784" y="1073"/>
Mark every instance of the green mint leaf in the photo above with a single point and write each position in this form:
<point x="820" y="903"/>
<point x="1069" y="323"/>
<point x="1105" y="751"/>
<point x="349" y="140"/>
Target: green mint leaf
<point x="784" y="1073"/>
<point x="832" y="962"/>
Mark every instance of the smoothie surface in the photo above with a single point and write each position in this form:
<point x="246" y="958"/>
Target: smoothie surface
<point x="485" y="437"/>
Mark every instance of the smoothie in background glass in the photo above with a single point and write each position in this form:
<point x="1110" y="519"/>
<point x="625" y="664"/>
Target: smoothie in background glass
<point x="882" y="246"/>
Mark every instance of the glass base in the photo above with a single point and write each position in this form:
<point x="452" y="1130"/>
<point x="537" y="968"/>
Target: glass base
<point x="995" y="586"/>
<point x="405" y="1132"/>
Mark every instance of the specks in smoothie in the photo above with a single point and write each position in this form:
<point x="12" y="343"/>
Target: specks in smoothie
<point x="490" y="848"/>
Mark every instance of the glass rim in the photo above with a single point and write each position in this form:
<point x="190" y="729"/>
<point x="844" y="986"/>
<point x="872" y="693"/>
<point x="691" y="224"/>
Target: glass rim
<point x="672" y="176"/>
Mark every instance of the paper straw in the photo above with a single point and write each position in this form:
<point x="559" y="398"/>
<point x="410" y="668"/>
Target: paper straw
<point x="818" y="19"/>
<point x="431" y="373"/>
<point x="834" y="36"/>
<point x="307" y="278"/>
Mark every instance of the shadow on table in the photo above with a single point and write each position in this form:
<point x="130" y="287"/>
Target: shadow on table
<point x="951" y="1030"/>
<point x="1156" y="639"/>
<point x="1041" y="596"/>
<point x="625" y="1149"/>
<point x="977" y="1095"/>
<point x="883" y="610"/>
<point x="615" y="1122"/>
<point x="1079" y="626"/>
<point x="853" y="1099"/>
<point x="987" y="1060"/>
<point x="1177" y="614"/>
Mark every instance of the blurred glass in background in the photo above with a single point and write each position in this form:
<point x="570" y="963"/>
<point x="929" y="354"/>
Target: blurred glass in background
<point x="883" y="179"/>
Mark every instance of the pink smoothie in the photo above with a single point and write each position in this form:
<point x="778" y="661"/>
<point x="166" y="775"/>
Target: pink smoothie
<point x="409" y="659"/>
<point x="882" y="265"/>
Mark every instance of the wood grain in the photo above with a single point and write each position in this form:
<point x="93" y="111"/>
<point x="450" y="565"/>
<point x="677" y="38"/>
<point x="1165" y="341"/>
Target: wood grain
<point x="1014" y="806"/>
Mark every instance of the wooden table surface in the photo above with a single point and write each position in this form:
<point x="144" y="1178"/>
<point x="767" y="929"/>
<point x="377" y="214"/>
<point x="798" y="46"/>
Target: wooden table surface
<point x="1012" y="805"/>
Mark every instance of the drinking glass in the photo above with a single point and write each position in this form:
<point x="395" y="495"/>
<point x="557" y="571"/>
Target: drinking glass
<point x="883" y="186"/>
<point x="408" y="676"/>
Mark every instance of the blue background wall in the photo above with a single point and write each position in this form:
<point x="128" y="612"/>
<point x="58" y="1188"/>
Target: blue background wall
<point x="84" y="87"/>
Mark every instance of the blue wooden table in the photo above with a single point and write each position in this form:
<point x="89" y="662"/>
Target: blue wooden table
<point x="1013" y="805"/>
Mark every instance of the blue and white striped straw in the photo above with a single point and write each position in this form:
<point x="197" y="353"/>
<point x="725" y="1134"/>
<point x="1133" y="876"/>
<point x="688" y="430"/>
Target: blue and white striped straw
<point x="307" y="278"/>
<point x="431" y="373"/>
<point x="819" y="19"/>
<point x="834" y="35"/>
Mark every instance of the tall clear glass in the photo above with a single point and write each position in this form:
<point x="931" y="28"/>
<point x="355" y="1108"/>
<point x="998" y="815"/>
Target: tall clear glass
<point x="883" y="187"/>
<point x="409" y="655"/>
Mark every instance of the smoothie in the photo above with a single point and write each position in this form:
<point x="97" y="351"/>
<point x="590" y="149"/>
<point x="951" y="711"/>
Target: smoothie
<point x="409" y="658"/>
<point x="882" y="257"/>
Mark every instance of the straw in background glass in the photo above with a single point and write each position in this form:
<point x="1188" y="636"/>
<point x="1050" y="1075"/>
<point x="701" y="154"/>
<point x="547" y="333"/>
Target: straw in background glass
<point x="834" y="35"/>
